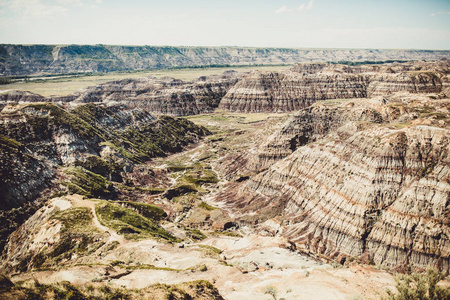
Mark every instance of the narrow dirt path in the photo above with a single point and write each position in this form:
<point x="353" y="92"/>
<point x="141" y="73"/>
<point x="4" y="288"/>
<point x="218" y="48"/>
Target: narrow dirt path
<point x="78" y="201"/>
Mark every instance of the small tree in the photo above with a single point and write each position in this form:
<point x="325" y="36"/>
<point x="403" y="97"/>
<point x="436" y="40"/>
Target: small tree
<point x="420" y="287"/>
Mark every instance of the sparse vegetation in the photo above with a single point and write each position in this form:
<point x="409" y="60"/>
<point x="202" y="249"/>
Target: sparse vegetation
<point x="190" y="180"/>
<point x="195" y="234"/>
<point x="5" y="80"/>
<point x="10" y="143"/>
<point x="206" y="206"/>
<point x="227" y="233"/>
<point x="210" y="250"/>
<point x="179" y="190"/>
<point x="12" y="219"/>
<point x="99" y="166"/>
<point x="420" y="286"/>
<point x="129" y="223"/>
<point x="63" y="85"/>
<point x="200" y="177"/>
<point x="150" y="267"/>
<point x="271" y="290"/>
<point x="177" y="167"/>
<point x="67" y="291"/>
<point x="61" y="117"/>
<point x="88" y="184"/>
<point x="367" y="62"/>
<point x="78" y="219"/>
<point x="149" y="211"/>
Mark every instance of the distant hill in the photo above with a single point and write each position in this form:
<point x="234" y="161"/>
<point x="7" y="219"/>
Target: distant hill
<point x="56" y="59"/>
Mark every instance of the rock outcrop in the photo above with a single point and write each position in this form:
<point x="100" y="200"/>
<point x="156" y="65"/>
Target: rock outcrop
<point x="305" y="84"/>
<point x="22" y="176"/>
<point x="261" y="91"/>
<point x="368" y="179"/>
<point x="21" y="96"/>
<point x="165" y="95"/>
<point x="42" y="136"/>
<point x="56" y="59"/>
<point x="291" y="91"/>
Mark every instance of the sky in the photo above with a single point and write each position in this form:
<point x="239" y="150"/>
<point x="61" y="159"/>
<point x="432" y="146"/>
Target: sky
<point x="405" y="24"/>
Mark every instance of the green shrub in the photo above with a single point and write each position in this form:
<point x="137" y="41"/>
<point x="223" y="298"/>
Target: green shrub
<point x="88" y="184"/>
<point x="95" y="164"/>
<point x="195" y="234"/>
<point x="129" y="222"/>
<point x="206" y="206"/>
<point x="271" y="290"/>
<point x="147" y="210"/>
<point x="78" y="218"/>
<point x="210" y="250"/>
<point x="420" y="287"/>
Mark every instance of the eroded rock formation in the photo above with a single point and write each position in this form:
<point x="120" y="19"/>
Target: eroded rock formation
<point x="364" y="172"/>
<point x="364" y="178"/>
<point x="305" y="84"/>
<point x="57" y="59"/>
<point x="261" y="91"/>
<point x="290" y="91"/>
<point x="165" y="95"/>
<point x="41" y="136"/>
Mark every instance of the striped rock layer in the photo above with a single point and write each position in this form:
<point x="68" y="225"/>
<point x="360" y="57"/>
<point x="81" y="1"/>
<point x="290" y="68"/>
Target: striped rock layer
<point x="358" y="183"/>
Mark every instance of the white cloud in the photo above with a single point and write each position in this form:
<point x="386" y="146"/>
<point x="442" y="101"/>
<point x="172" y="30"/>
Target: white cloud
<point x="35" y="8"/>
<point x="440" y="13"/>
<point x="45" y="8"/>
<point x="283" y="9"/>
<point x="304" y="6"/>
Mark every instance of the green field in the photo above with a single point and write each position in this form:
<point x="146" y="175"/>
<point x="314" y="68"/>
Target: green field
<point x="66" y="85"/>
<point x="227" y="117"/>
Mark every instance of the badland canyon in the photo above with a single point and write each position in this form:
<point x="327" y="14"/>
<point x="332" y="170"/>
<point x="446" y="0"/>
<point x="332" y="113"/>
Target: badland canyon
<point x="317" y="181"/>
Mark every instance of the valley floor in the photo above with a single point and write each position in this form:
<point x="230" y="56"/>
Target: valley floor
<point x="247" y="267"/>
<point x="63" y="85"/>
<point x="241" y="263"/>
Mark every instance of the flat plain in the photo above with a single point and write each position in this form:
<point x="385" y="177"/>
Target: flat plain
<point x="66" y="85"/>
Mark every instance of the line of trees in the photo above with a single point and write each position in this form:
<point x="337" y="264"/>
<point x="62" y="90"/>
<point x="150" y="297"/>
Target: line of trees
<point x="5" y="80"/>
<point x="367" y="62"/>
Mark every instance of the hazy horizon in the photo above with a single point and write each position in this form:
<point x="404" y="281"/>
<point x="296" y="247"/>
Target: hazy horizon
<point x="222" y="46"/>
<point x="309" y="24"/>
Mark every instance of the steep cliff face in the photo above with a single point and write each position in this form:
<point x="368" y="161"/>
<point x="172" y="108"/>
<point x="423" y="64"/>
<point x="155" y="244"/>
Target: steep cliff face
<point x="305" y="84"/>
<point x="165" y="95"/>
<point x="291" y="91"/>
<point x="20" y="96"/>
<point x="362" y="180"/>
<point x="52" y="59"/>
<point x="414" y="83"/>
<point x="89" y="150"/>
<point x="22" y="176"/>
<point x="312" y="123"/>
<point x="46" y="136"/>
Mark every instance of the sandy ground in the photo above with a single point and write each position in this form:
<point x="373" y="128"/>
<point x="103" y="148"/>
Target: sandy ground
<point x="250" y="267"/>
<point x="78" y="201"/>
